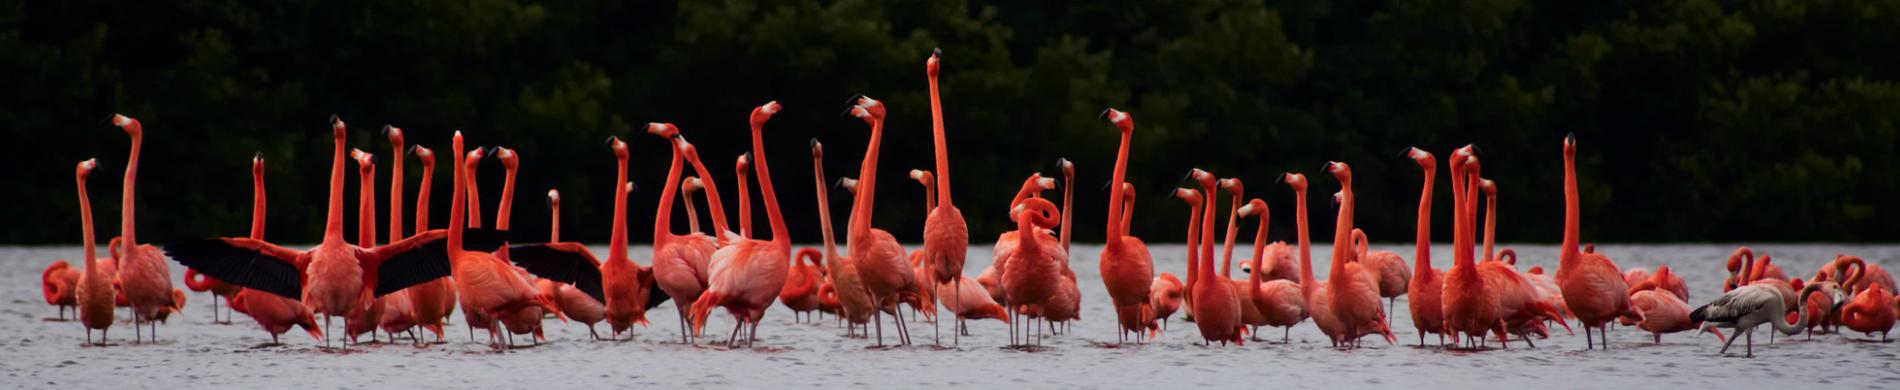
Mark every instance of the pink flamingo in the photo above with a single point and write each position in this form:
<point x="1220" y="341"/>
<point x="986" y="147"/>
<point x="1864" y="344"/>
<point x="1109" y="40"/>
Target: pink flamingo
<point x="94" y="292"/>
<point x="626" y="289"/>
<point x="1592" y="285"/>
<point x="946" y="235"/>
<point x="1126" y="266"/>
<point x="746" y="276"/>
<point x="143" y="276"/>
<point x="879" y="258"/>
<point x="844" y="286"/>
<point x="680" y="261"/>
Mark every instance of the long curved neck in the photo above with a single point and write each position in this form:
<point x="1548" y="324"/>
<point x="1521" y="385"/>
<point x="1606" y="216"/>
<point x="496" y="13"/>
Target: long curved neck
<point x="1490" y="225"/>
<point x="457" y="201"/>
<point x="617" y="241"/>
<point x="824" y="208"/>
<point x="395" y="192"/>
<point x="1115" y="213"/>
<point x="366" y="207"/>
<point x="257" y="204"/>
<point x="1259" y="252"/>
<point x="1780" y="322"/>
<point x="1227" y="249"/>
<point x="1422" y="256"/>
<point x="662" y="219"/>
<point x="1068" y="207"/>
<point x="1193" y="246"/>
<point x="867" y="183"/>
<point x="85" y="222"/>
<point x="422" y="196"/>
<point x="1307" y="283"/>
<point x="474" y="194"/>
<point x="506" y="211"/>
<point x="716" y="207"/>
<point x="780" y="235"/>
<point x="1342" y="236"/>
<point x="554" y="222"/>
<point x="1207" y="241"/>
<point x="1128" y="211"/>
<point x="942" y="147"/>
<point x="1471" y="212"/>
<point x="1569" y="251"/>
<point x="1460" y="257"/>
<point x="930" y="195"/>
<point x="745" y="205"/>
<point x="333" y="224"/>
<point x="692" y="215"/>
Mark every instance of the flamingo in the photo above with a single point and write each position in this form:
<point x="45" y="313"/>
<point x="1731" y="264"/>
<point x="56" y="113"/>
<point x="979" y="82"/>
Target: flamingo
<point x="1278" y="301"/>
<point x="1662" y="311"/>
<point x="1753" y="274"/>
<point x="801" y="282"/>
<point x="1126" y="266"/>
<point x="624" y="287"/>
<point x="1215" y="307"/>
<point x="740" y="166"/>
<point x="578" y="306"/>
<point x="845" y="287"/>
<point x="946" y="235"/>
<point x="433" y="301"/>
<point x="1747" y="307"/>
<point x="485" y="284"/>
<point x="1738" y="270"/>
<point x="1481" y="297"/>
<point x="680" y="261"/>
<point x="1871" y="309"/>
<point x="1164" y="296"/>
<point x="1873" y="274"/>
<point x="1353" y="287"/>
<point x="687" y="187"/>
<point x="1007" y="242"/>
<point x="746" y="275"/>
<point x="1066" y="306"/>
<point x="975" y="304"/>
<point x="1034" y="268"/>
<point x="526" y="321"/>
<point x="196" y="282"/>
<point x="1592" y="286"/>
<point x="275" y="314"/>
<point x="143" y="276"/>
<point x="93" y="293"/>
<point x="923" y="291"/>
<point x="879" y="259"/>
<point x="1427" y="284"/>
<point x="57" y="283"/>
<point x="366" y="315"/>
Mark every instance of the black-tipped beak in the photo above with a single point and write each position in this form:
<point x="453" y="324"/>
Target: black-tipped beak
<point x="633" y="187"/>
<point x="847" y="111"/>
<point x="1105" y="185"/>
<point x="854" y="99"/>
<point x="612" y="139"/>
<point x="838" y="184"/>
<point x="1172" y="193"/>
<point x="1407" y="152"/>
<point x="386" y="129"/>
<point x="1281" y="179"/>
<point x="257" y="156"/>
<point x="1105" y="113"/>
<point x="936" y="52"/>
<point x="815" y="144"/>
<point x="413" y="149"/>
<point x="1476" y="151"/>
<point x="1570" y="137"/>
<point x="334" y="119"/>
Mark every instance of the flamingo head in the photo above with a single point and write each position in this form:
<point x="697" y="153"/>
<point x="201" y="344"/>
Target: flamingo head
<point x="743" y="163"/>
<point x="1189" y="195"/>
<point x="132" y="126"/>
<point x="1043" y="183"/>
<point x="764" y="113"/>
<point x="620" y="147"/>
<point x="1068" y="167"/>
<point x="922" y="176"/>
<point x="930" y="65"/>
<point x="1424" y="158"/>
<point x="1121" y="119"/>
<point x="554" y="198"/>
<point x="509" y="160"/>
<point x="1232" y="185"/>
<point x="1253" y="208"/>
<point x="664" y="130"/>
<point x="1339" y="170"/>
<point x="849" y="184"/>
<point x="394" y="133"/>
<point x="817" y="149"/>
<point x="337" y="127"/>
<point x="472" y="158"/>
<point x="85" y="168"/>
<point x="1295" y="180"/>
<point x="866" y="108"/>
<point x="1205" y="179"/>
<point x="364" y="160"/>
<point x="257" y="164"/>
<point x="1128" y="191"/>
<point x="1472" y="165"/>
<point x="427" y="156"/>
<point x="691" y="185"/>
<point x="1536" y="270"/>
<point x="1489" y="187"/>
<point x="1570" y="145"/>
<point x="630" y="188"/>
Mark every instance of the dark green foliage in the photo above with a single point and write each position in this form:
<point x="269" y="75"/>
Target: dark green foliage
<point x="1697" y="119"/>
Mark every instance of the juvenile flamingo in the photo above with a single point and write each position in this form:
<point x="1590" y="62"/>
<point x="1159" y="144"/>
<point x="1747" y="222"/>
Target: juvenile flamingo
<point x="1126" y="266"/>
<point x="93" y="293"/>
<point x="1592" y="286"/>
<point x="1427" y="284"/>
<point x="745" y="276"/>
<point x="624" y="287"/>
<point x="143" y="276"/>
<point x="1747" y="307"/>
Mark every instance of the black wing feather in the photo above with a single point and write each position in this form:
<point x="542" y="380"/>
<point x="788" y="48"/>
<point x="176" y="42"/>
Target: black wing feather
<point x="655" y="296"/>
<point x="239" y="266"/>
<point x="431" y="260"/>
<point x="560" y="266"/>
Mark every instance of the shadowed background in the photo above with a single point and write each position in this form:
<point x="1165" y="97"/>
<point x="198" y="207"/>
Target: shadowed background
<point x="1697" y="119"/>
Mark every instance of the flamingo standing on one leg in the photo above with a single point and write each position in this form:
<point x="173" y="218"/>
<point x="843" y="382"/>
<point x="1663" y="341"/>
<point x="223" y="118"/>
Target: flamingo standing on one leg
<point x="93" y="293"/>
<point x="746" y="276"/>
<point x="57" y="283"/>
<point x="1126" y="266"/>
<point x="1592" y="286"/>
<point x="880" y="260"/>
<point x="854" y="304"/>
<point x="946" y="235"/>
<point x="143" y="276"/>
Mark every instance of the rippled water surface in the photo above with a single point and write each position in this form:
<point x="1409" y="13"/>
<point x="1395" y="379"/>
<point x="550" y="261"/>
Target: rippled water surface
<point x="40" y="352"/>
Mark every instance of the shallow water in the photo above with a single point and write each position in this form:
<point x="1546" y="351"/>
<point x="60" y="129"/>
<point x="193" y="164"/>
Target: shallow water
<point x="195" y="352"/>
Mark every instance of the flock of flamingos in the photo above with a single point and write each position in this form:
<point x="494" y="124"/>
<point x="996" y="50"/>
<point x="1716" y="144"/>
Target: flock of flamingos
<point x="411" y="283"/>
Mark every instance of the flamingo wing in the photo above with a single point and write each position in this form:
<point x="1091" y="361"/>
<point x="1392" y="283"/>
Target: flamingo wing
<point x="424" y="257"/>
<point x="564" y="262"/>
<point x="242" y="261"/>
<point x="1736" y="304"/>
<point x="655" y="295"/>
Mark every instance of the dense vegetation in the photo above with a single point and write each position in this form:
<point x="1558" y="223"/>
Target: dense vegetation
<point x="1698" y="119"/>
